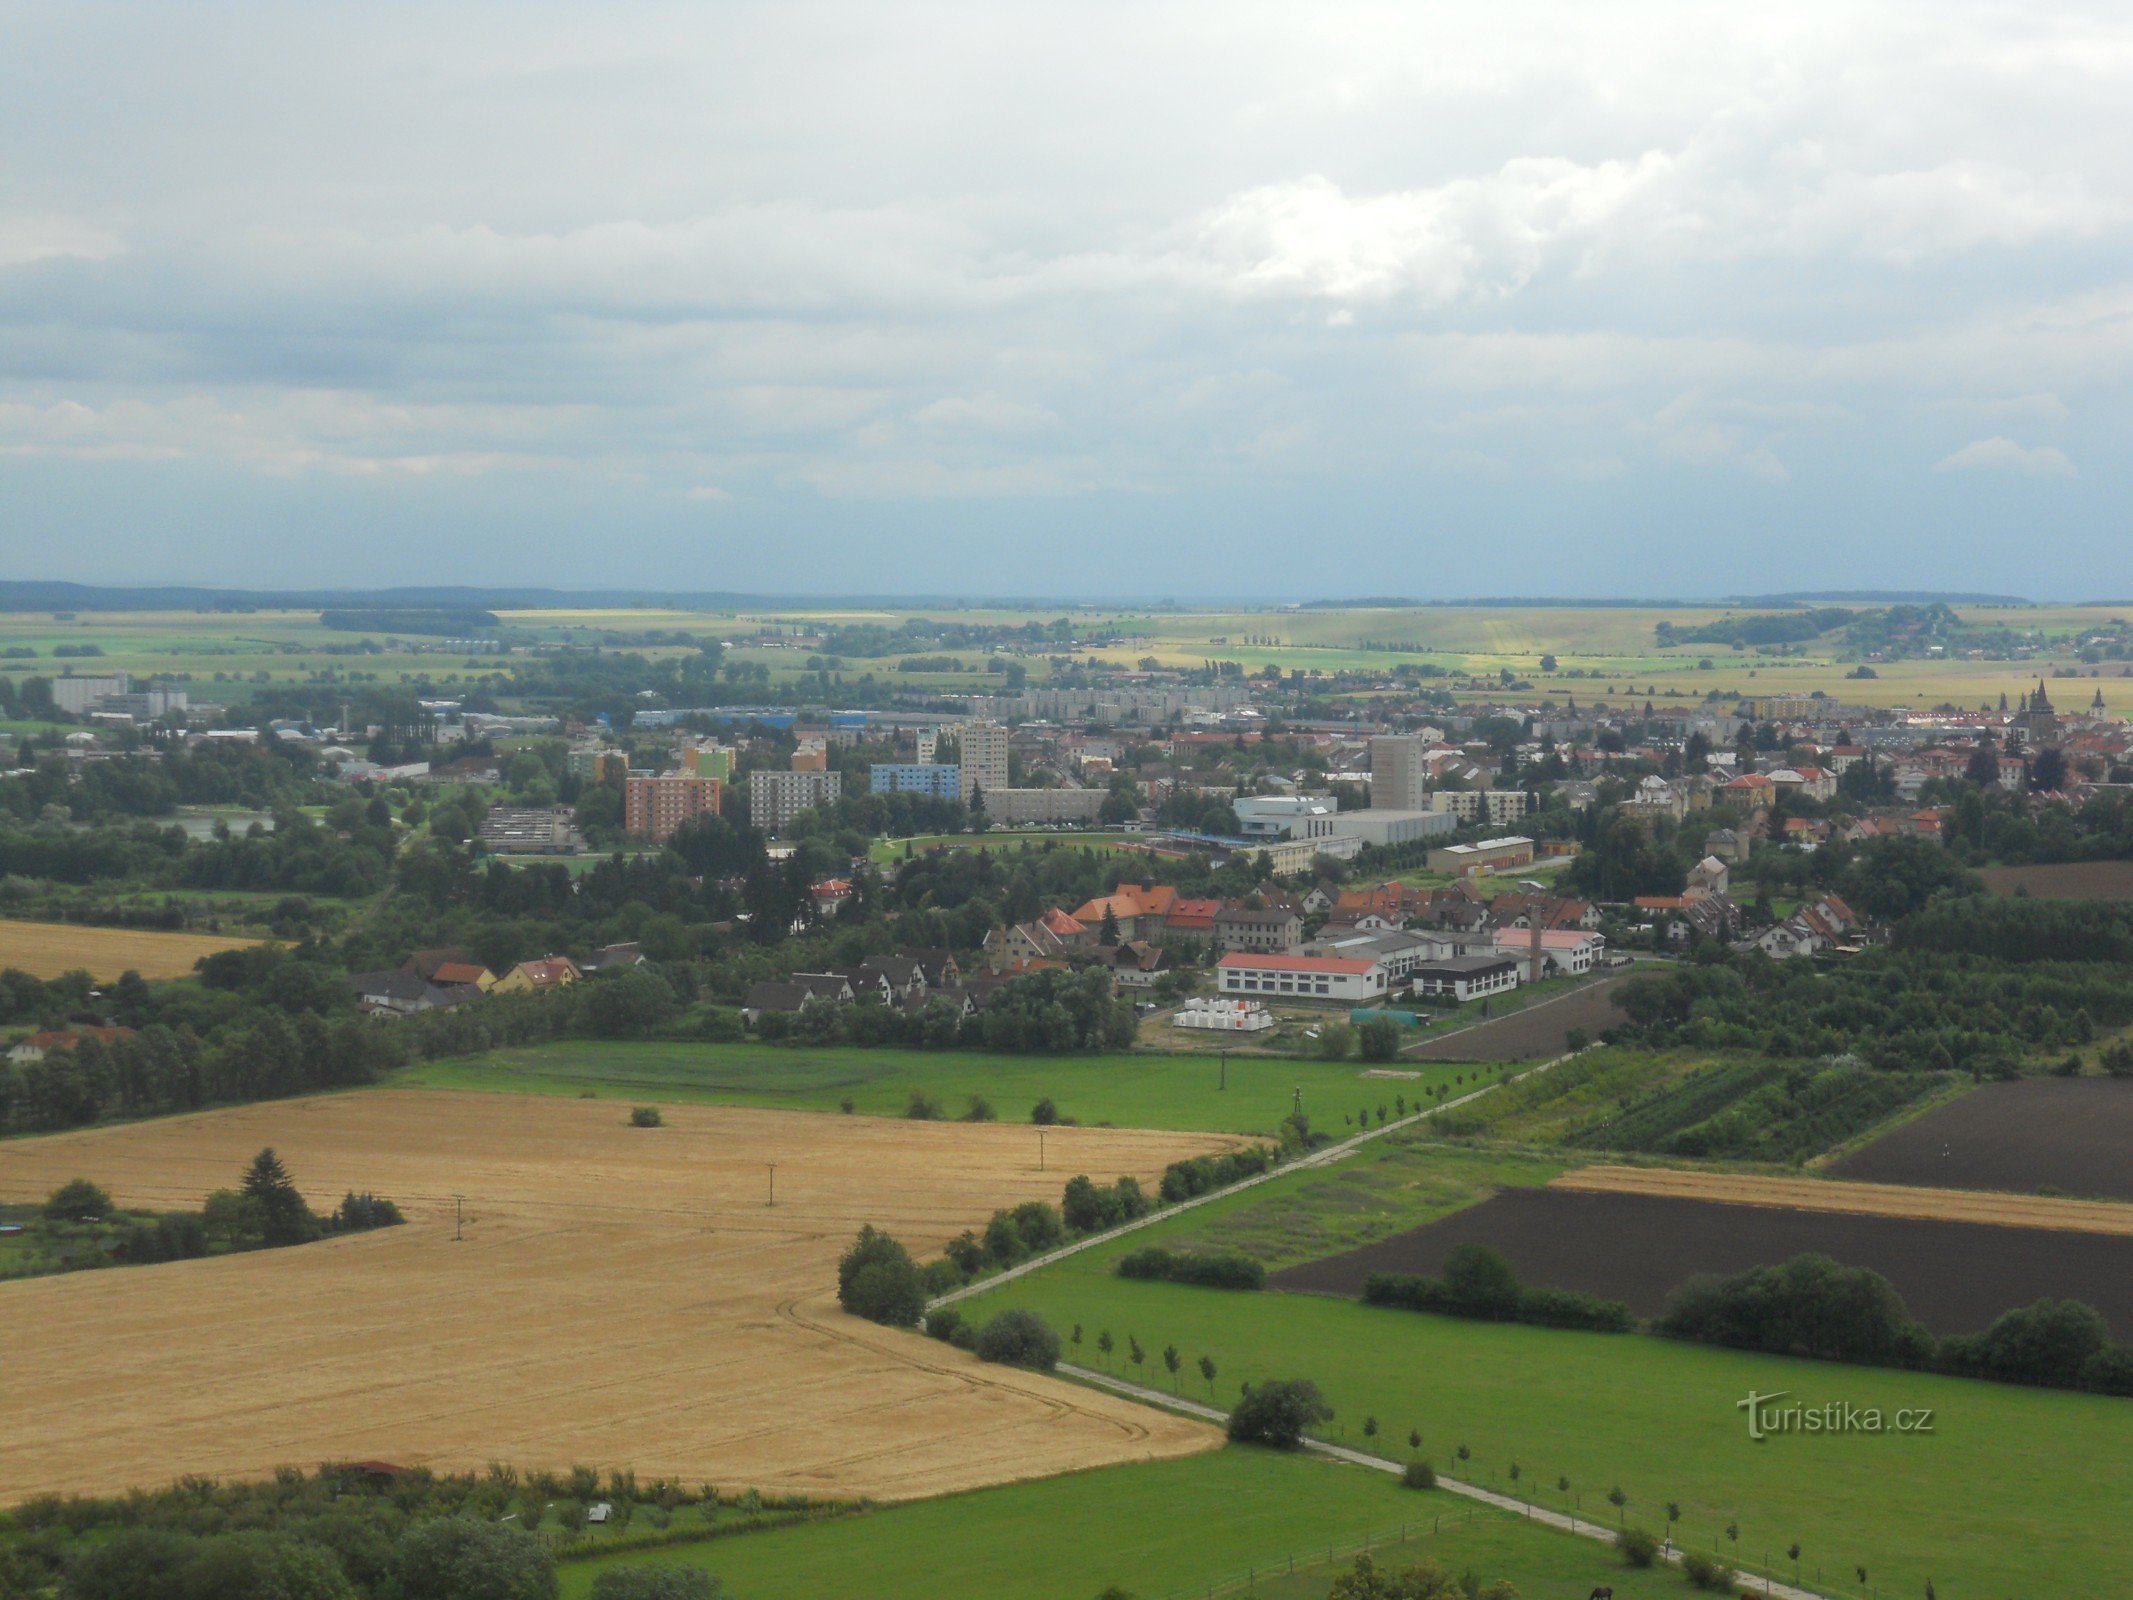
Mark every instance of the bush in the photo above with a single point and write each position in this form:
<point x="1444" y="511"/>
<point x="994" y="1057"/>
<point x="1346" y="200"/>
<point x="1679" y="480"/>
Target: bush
<point x="923" y="1107"/>
<point x="1336" y="1041"/>
<point x="456" y="1558"/>
<point x="2052" y="1343"/>
<point x="1278" y="1413"/>
<point x="1809" y="1306"/>
<point x="878" y="1280"/>
<point x="77" y="1201"/>
<point x="358" y="1213"/>
<point x="1085" y="1207"/>
<point x="1639" y="1549"/>
<point x="1182" y="1180"/>
<point x="1479" y="1282"/>
<point x="1706" y="1572"/>
<point x="1019" y="1339"/>
<point x="980" y="1110"/>
<point x="941" y="1276"/>
<point x="1419" y="1474"/>
<point x="1044" y="1114"/>
<point x="656" y="1583"/>
<point x="1227" y="1269"/>
<point x="646" y="1117"/>
<point x="942" y="1322"/>
<point x="1380" y="1038"/>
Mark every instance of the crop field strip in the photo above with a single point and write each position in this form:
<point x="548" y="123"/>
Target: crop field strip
<point x="2064" y="880"/>
<point x="1859" y="1199"/>
<point x="1535" y="1033"/>
<point x="2074" y="1135"/>
<point x="1955" y="1276"/>
<point x="622" y="1296"/>
<point x="49" y="949"/>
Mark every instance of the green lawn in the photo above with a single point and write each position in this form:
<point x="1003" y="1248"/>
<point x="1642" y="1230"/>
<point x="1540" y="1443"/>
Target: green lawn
<point x="885" y="852"/>
<point x="1168" y="1528"/>
<point x="1134" y="1091"/>
<point x="2015" y="1492"/>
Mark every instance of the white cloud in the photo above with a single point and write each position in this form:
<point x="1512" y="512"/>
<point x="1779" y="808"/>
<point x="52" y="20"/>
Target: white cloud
<point x="2000" y="454"/>
<point x="27" y="239"/>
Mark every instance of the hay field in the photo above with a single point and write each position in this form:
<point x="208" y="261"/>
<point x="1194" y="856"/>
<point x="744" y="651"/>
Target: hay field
<point x="47" y="949"/>
<point x="1858" y="1199"/>
<point x="622" y="1297"/>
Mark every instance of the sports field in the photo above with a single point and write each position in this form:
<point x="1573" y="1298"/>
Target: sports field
<point x="1230" y="1520"/>
<point x="48" y="949"/>
<point x="1128" y="1091"/>
<point x="621" y="1297"/>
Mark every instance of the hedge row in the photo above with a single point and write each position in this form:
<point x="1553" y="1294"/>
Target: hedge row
<point x="1227" y="1269"/>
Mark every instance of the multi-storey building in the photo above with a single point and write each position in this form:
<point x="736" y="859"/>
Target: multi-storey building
<point x="1398" y="772"/>
<point x="655" y="808"/>
<point x="941" y="781"/>
<point x="775" y="798"/>
<point x="984" y="756"/>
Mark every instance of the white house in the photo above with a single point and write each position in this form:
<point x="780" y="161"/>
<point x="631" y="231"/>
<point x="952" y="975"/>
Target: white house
<point x="1467" y="978"/>
<point x="1563" y="950"/>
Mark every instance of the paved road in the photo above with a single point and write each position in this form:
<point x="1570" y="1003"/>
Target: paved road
<point x="1562" y="1520"/>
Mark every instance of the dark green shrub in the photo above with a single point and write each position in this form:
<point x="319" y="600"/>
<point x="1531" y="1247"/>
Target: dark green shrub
<point x="1019" y="1339"/>
<point x="1278" y="1413"/>
<point x="646" y="1117"/>
<point x="656" y="1583"/>
<point x="1706" y="1572"/>
<point x="942" y="1322"/>
<point x="877" y="1279"/>
<point x="1228" y="1269"/>
<point x="1639" y="1548"/>
<point x="77" y="1200"/>
<point x="1418" y="1474"/>
<point x="456" y="1558"/>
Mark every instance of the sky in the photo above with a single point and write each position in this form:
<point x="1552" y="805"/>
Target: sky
<point x="1176" y="301"/>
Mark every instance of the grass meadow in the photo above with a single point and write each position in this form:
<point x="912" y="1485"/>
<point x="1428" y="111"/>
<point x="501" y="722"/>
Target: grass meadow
<point x="2013" y="1492"/>
<point x="1179" y="1092"/>
<point x="1210" y="1523"/>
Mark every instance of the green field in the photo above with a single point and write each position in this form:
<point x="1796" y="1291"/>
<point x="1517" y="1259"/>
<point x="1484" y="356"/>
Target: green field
<point x="2013" y="1493"/>
<point x="1603" y="651"/>
<point x="1169" y="1528"/>
<point x="1131" y="1091"/>
<point x="882" y="852"/>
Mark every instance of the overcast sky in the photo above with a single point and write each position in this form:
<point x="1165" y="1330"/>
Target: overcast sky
<point x="1182" y="300"/>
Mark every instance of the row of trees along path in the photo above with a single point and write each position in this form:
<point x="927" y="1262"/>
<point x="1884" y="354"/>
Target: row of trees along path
<point x="1325" y="1156"/>
<point x="1357" y="1458"/>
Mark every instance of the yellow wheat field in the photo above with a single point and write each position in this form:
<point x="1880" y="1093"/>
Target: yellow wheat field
<point x="47" y="949"/>
<point x="1858" y="1199"/>
<point x="622" y="1297"/>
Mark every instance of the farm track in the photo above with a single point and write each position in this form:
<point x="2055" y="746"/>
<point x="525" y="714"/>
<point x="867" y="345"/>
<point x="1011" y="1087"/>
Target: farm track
<point x="621" y="1297"/>
<point x="1858" y="1199"/>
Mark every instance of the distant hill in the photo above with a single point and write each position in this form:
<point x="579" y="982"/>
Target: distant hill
<point x="1880" y="597"/>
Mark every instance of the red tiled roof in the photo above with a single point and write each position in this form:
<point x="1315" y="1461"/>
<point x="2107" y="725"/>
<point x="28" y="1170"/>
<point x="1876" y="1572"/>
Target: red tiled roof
<point x="1327" y="964"/>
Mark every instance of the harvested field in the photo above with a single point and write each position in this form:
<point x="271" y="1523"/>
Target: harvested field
<point x="1955" y="1276"/>
<point x="1536" y="1033"/>
<point x="2065" y="880"/>
<point x="48" y="949"/>
<point x="2069" y="1134"/>
<point x="1859" y="1199"/>
<point x="622" y="1297"/>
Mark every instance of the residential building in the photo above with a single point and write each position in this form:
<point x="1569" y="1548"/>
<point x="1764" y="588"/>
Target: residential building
<point x="1498" y="807"/>
<point x="596" y="763"/>
<point x="938" y="780"/>
<point x="656" y="808"/>
<point x="1050" y="937"/>
<point x="775" y="798"/>
<point x="1332" y="978"/>
<point x="1490" y="855"/>
<point x="1134" y="965"/>
<point x="984" y="757"/>
<point x="1137" y="910"/>
<point x="551" y="972"/>
<point x="39" y="1045"/>
<point x="1555" y="952"/>
<point x="709" y="761"/>
<point x="1241" y="930"/>
<point x="1399" y="772"/>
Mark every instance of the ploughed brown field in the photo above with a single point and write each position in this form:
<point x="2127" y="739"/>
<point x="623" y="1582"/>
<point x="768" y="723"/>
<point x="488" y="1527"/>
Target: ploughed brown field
<point x="49" y="949"/>
<point x="1539" y="1032"/>
<point x="2065" y="880"/>
<point x="623" y="1297"/>
<point x="2074" y="1135"/>
<point x="1955" y="1276"/>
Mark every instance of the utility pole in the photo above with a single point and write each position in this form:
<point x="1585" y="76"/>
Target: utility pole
<point x="773" y="1166"/>
<point x="459" y="1217"/>
<point x="1040" y="1149"/>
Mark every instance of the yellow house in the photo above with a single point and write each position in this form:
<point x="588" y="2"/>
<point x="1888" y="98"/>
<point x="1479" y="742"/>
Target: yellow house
<point x="551" y="972"/>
